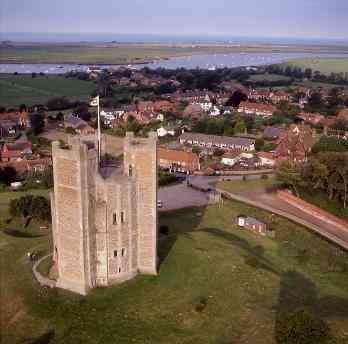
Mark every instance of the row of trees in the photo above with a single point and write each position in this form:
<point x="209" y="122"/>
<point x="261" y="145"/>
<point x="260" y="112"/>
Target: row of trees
<point x="324" y="171"/>
<point x="308" y="73"/>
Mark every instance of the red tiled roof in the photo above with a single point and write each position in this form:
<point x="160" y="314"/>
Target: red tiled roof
<point x="257" y="107"/>
<point x="174" y="155"/>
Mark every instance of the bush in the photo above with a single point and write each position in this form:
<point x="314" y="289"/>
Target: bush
<point x="301" y="327"/>
<point x="166" y="178"/>
<point x="37" y="207"/>
<point x="70" y="130"/>
<point x="264" y="176"/>
<point x="201" y="304"/>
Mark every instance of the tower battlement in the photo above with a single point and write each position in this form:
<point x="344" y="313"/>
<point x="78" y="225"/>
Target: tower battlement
<point x="104" y="230"/>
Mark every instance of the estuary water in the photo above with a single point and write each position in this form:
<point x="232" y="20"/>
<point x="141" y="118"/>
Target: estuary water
<point x="210" y="61"/>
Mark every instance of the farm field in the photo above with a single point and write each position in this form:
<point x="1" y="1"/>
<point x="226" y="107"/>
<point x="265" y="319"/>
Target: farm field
<point x="216" y="284"/>
<point x="268" y="77"/>
<point x="23" y="89"/>
<point x="325" y="66"/>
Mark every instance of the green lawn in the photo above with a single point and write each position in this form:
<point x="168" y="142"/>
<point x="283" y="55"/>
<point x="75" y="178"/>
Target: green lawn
<point x="23" y="89"/>
<point x="239" y="186"/>
<point x="268" y="77"/>
<point x="323" y="65"/>
<point x="245" y="281"/>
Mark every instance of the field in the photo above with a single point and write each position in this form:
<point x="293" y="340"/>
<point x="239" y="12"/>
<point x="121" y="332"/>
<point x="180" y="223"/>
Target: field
<point x="268" y="77"/>
<point x="23" y="89"/>
<point x="217" y="284"/>
<point x="323" y="65"/>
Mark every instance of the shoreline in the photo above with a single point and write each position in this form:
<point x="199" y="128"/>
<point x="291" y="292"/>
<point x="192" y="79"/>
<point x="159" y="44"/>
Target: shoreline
<point x="151" y="61"/>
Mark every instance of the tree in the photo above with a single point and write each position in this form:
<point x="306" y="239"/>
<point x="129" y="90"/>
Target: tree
<point x="240" y="127"/>
<point x="308" y="73"/>
<point x="37" y="207"/>
<point x="82" y="112"/>
<point x="289" y="175"/>
<point x="236" y="98"/>
<point x="330" y="144"/>
<point x="8" y="175"/>
<point x="37" y="123"/>
<point x="259" y="143"/>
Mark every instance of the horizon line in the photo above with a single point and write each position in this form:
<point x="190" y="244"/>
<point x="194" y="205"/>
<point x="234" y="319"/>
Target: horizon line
<point x="187" y="35"/>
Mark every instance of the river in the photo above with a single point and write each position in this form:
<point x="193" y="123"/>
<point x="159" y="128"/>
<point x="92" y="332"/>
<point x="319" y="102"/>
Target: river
<point x="211" y="61"/>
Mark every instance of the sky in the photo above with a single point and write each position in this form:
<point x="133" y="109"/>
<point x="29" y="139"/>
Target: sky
<point x="262" y="18"/>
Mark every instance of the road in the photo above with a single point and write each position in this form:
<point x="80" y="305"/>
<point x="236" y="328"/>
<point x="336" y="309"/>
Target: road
<point x="181" y="196"/>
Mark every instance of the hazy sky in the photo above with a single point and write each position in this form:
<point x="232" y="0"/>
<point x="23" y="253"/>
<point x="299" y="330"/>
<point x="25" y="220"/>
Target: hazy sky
<point x="290" y="18"/>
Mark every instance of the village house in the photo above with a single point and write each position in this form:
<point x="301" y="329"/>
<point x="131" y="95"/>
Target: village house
<point x="205" y="104"/>
<point x="267" y="159"/>
<point x="264" y="110"/>
<point x="258" y="95"/>
<point x="312" y="118"/>
<point x="79" y="125"/>
<point x="279" y="96"/>
<point x="215" y="111"/>
<point x="272" y="133"/>
<point x="230" y="158"/>
<point x="28" y="166"/>
<point x="296" y="143"/>
<point x="20" y="149"/>
<point x="178" y="161"/>
<point x="192" y="110"/>
<point x="267" y="95"/>
<point x="221" y="142"/>
<point x="146" y="106"/>
<point x="162" y="132"/>
<point x="8" y="128"/>
<point x="21" y="118"/>
<point x="163" y="106"/>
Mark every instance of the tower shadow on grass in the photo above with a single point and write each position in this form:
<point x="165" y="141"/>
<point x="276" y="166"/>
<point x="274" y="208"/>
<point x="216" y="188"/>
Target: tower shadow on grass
<point x="253" y="253"/>
<point x="166" y="242"/>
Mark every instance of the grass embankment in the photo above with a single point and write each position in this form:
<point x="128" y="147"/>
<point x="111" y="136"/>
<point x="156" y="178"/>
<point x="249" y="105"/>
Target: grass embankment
<point x="321" y="200"/>
<point x="318" y="198"/>
<point x="23" y="89"/>
<point x="217" y="284"/>
<point x="323" y="65"/>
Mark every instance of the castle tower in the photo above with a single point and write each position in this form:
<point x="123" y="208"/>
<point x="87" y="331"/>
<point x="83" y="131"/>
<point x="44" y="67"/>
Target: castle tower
<point x="104" y="228"/>
<point x="74" y="173"/>
<point x="140" y="163"/>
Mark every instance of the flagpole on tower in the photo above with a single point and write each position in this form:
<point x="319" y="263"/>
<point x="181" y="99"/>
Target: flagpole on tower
<point x="94" y="101"/>
<point x="99" y="133"/>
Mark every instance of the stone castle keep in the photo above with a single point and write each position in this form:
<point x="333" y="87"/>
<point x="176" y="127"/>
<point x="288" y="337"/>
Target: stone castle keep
<point x="104" y="227"/>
